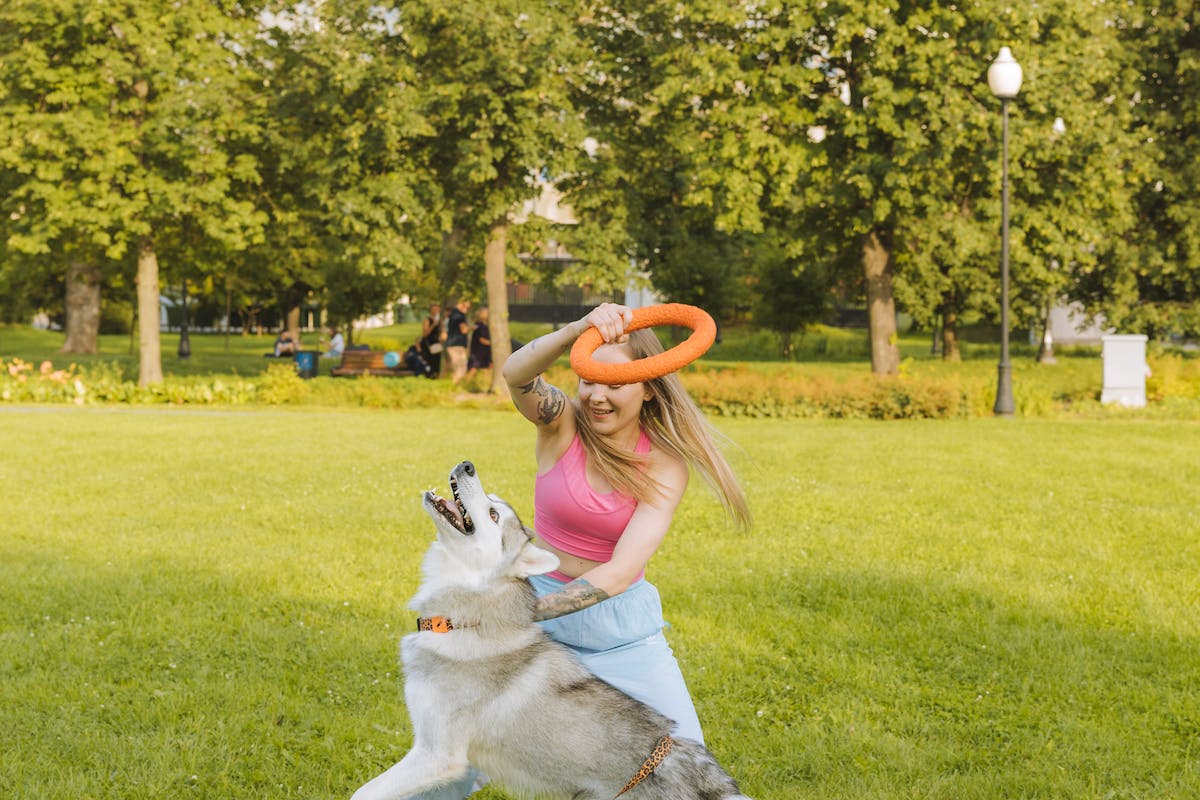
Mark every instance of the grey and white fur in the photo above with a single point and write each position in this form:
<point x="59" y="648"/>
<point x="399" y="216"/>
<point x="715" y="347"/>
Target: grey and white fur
<point x="497" y="693"/>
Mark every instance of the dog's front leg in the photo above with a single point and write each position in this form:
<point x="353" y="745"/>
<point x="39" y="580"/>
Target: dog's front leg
<point x="419" y="771"/>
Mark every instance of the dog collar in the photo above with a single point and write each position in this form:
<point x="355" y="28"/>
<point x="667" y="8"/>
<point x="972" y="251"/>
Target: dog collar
<point x="435" y="624"/>
<point x="650" y="764"/>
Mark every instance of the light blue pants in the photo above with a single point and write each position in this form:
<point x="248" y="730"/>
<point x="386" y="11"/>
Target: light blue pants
<point x="621" y="641"/>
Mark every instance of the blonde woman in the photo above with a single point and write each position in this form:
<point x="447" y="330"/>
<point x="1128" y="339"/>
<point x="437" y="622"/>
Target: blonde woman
<point x="612" y="467"/>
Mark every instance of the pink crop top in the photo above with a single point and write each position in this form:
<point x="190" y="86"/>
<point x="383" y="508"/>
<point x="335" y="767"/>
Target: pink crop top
<point x="572" y="516"/>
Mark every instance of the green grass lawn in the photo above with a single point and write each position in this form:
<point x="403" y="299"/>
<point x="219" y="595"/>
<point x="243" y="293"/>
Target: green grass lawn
<point x="207" y="603"/>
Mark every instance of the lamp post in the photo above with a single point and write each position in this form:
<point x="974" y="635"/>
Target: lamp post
<point x="185" y="344"/>
<point x="1004" y="79"/>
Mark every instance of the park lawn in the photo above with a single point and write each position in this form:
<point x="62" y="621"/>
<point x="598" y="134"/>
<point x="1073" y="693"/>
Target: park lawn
<point x="207" y="603"/>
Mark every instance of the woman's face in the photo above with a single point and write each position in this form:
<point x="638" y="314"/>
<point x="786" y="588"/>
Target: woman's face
<point x="612" y="408"/>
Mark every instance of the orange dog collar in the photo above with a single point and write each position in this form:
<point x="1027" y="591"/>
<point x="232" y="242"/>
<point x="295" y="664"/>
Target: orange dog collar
<point x="435" y="624"/>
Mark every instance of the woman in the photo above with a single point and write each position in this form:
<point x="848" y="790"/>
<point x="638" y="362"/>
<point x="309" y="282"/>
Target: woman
<point x="612" y="468"/>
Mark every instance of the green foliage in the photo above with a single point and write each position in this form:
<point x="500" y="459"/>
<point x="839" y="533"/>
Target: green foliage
<point x="494" y="80"/>
<point x="344" y="185"/>
<point x="1163" y="253"/>
<point x="1172" y="376"/>
<point x="118" y="119"/>
<point x="123" y="131"/>
<point x="694" y="107"/>
<point x="280" y="385"/>
<point x="345" y="152"/>
<point x="740" y="392"/>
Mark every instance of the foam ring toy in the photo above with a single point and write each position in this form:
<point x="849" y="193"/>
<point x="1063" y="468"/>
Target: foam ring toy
<point x="704" y="333"/>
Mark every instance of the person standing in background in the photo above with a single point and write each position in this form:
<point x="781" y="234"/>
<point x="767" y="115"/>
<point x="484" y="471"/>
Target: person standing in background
<point x="431" y="339"/>
<point x="480" y="352"/>
<point x="457" y="331"/>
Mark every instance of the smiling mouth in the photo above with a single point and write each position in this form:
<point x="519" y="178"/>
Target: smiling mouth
<point x="456" y="513"/>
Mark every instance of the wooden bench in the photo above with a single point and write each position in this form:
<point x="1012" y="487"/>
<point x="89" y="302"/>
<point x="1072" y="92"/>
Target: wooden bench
<point x="367" y="362"/>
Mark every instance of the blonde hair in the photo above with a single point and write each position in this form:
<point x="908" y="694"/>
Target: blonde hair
<point x="675" y="424"/>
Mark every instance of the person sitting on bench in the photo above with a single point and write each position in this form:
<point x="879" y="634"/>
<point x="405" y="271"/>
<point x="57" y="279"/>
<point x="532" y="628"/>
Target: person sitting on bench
<point x="285" y="345"/>
<point x="336" y="344"/>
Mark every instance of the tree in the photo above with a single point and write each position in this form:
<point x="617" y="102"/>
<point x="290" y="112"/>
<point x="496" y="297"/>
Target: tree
<point x="55" y="159"/>
<point x="792" y="295"/>
<point x="1160" y="293"/>
<point x="910" y="153"/>
<point x="119" y="126"/>
<point x="701" y="140"/>
<point x="1078" y="159"/>
<point x="344" y="182"/>
<point x="889" y="90"/>
<point x="494" y="82"/>
<point x="82" y="306"/>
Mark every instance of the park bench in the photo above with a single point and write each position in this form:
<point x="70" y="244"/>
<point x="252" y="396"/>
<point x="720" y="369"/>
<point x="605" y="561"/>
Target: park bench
<point x="367" y="362"/>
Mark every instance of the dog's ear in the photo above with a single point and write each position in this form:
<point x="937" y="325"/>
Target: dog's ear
<point x="534" y="561"/>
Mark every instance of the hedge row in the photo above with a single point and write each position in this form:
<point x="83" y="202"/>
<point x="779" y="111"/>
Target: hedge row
<point x="737" y="391"/>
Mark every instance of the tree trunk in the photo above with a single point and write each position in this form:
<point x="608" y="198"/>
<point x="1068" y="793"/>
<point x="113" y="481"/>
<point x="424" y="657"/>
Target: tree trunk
<point x="83" y="308"/>
<point x="950" y="349"/>
<point x="293" y="323"/>
<point x="1046" y="347"/>
<point x="881" y="307"/>
<point x="451" y="259"/>
<point x="497" y="298"/>
<point x="150" y="352"/>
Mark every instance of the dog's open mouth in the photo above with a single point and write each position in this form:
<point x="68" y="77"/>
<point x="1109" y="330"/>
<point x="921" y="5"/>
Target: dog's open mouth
<point x="456" y="513"/>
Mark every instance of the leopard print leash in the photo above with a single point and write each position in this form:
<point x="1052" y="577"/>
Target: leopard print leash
<point x="650" y="764"/>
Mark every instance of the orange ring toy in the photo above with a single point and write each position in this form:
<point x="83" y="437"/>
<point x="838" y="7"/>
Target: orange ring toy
<point x="704" y="333"/>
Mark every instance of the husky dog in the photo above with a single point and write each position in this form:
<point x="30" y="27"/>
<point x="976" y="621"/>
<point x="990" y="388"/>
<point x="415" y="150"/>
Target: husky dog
<point x="486" y="687"/>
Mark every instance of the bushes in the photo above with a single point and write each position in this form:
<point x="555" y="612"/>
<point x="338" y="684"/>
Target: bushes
<point x="747" y="392"/>
<point x="279" y="385"/>
<point x="1172" y="376"/>
<point x="737" y="390"/>
<point x="741" y="392"/>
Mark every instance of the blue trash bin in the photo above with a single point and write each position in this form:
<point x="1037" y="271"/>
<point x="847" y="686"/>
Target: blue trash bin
<point x="306" y="363"/>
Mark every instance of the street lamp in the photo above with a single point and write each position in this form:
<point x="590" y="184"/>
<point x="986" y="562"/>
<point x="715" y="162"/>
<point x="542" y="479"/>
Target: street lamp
<point x="185" y="344"/>
<point x="1004" y="79"/>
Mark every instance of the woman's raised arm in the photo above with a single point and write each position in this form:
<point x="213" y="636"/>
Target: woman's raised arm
<point x="540" y="402"/>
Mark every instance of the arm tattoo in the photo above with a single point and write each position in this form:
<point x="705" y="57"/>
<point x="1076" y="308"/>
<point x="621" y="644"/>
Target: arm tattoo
<point x="551" y="399"/>
<point x="575" y="596"/>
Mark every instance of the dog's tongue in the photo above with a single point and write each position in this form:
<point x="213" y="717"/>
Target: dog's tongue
<point x="448" y="509"/>
<point x="452" y="512"/>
